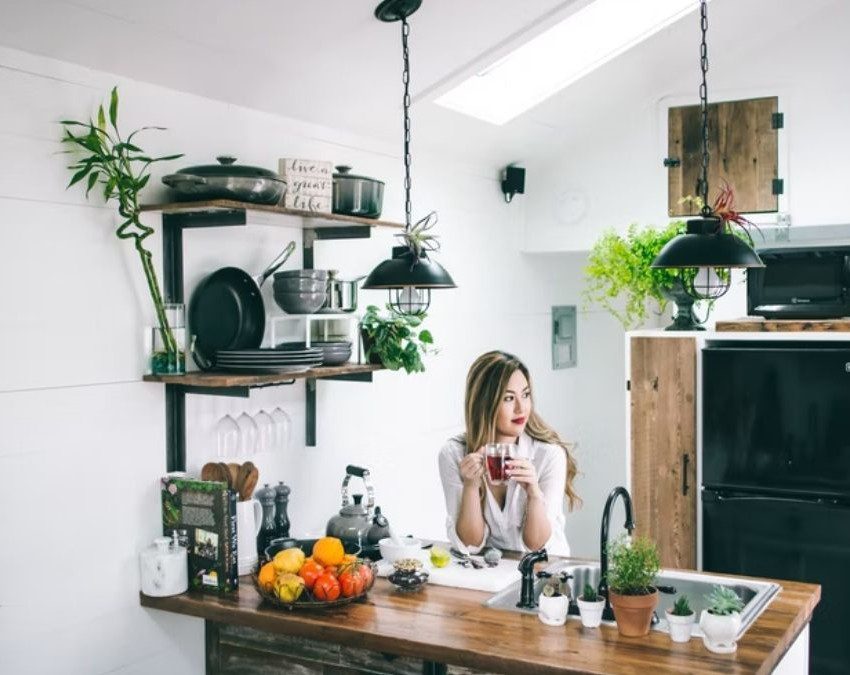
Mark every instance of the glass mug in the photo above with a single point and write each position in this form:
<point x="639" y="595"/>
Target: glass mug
<point x="496" y="456"/>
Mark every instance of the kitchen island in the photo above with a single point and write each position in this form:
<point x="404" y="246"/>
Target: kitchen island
<point x="448" y="630"/>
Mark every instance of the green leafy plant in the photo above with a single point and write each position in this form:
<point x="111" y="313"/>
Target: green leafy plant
<point x="634" y="565"/>
<point x="119" y="170"/>
<point x="395" y="339"/>
<point x="589" y="594"/>
<point x="682" y="607"/>
<point x="619" y="275"/>
<point x="723" y="601"/>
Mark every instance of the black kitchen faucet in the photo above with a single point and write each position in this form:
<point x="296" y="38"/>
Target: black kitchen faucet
<point x="526" y="566"/>
<point x="607" y="613"/>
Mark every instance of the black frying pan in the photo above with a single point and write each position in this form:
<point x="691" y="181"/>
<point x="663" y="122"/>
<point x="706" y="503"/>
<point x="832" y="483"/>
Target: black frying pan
<point x="227" y="312"/>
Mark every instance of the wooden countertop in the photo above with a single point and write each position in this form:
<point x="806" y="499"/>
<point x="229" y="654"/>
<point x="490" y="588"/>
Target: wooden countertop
<point x="450" y="625"/>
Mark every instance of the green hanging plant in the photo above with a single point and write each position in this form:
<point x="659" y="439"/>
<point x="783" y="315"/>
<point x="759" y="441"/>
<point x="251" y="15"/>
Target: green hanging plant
<point x="619" y="275"/>
<point x="118" y="170"/>
<point x="395" y="339"/>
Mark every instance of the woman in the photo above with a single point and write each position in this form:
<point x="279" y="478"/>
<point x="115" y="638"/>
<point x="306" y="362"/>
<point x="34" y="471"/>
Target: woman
<point x="526" y="512"/>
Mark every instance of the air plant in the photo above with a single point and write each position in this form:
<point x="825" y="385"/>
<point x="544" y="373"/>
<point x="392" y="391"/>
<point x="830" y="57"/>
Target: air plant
<point x="418" y="237"/>
<point x="724" y="209"/>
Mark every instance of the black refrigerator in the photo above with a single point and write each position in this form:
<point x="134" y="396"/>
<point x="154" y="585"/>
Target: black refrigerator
<point x="776" y="474"/>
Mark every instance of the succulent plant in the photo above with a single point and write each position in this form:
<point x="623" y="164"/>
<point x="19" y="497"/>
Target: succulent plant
<point x="723" y="601"/>
<point x="589" y="594"/>
<point x="682" y="607"/>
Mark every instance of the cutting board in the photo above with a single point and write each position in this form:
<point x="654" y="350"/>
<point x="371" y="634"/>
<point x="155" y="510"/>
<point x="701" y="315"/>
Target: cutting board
<point x="491" y="579"/>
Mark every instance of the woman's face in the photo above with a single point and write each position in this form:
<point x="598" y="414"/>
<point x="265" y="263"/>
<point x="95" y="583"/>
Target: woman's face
<point x="514" y="408"/>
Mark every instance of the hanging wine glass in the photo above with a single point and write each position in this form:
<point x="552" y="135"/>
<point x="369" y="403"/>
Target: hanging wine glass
<point x="266" y="431"/>
<point x="248" y="433"/>
<point x="227" y="438"/>
<point x="283" y="428"/>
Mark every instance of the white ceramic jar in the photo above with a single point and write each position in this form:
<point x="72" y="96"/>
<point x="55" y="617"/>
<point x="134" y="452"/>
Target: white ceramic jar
<point x="164" y="568"/>
<point x="720" y="631"/>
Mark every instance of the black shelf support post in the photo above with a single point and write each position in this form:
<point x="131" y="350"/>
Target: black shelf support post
<point x="175" y="397"/>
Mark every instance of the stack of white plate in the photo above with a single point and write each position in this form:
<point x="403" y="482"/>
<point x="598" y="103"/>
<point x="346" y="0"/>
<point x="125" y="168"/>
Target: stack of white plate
<point x="269" y="360"/>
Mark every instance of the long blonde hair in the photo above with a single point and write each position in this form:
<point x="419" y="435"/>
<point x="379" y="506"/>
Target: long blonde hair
<point x="486" y="383"/>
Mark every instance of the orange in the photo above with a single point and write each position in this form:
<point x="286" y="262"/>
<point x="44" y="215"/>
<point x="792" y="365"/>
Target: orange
<point x="267" y="576"/>
<point x="328" y="551"/>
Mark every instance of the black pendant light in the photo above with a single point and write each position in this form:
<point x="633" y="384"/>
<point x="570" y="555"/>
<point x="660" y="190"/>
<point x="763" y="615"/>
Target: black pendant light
<point x="708" y="250"/>
<point x="410" y="274"/>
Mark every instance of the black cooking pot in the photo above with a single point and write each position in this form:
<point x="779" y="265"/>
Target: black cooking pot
<point x="357" y="195"/>
<point x="227" y="180"/>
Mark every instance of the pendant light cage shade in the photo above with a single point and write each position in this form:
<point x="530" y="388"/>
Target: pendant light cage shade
<point x="410" y="301"/>
<point x="707" y="283"/>
<point x="404" y="270"/>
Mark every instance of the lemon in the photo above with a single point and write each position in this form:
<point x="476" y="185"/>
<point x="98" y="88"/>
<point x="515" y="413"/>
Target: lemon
<point x="289" y="560"/>
<point x="289" y="587"/>
<point x="440" y="557"/>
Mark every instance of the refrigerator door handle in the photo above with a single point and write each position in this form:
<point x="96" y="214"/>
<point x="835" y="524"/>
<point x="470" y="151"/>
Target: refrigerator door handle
<point x="767" y="498"/>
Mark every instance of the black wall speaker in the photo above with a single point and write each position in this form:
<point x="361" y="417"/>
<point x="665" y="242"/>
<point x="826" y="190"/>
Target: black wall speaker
<point x="513" y="182"/>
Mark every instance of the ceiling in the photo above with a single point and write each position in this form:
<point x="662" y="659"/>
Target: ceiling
<point x="331" y="62"/>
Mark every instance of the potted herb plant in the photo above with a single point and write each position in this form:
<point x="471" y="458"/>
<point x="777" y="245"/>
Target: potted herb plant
<point x="680" y="619"/>
<point x="721" y="620"/>
<point x="395" y="340"/>
<point x="590" y="606"/>
<point x="554" y="602"/>
<point x="631" y="575"/>
<point x="620" y="278"/>
<point x="116" y="168"/>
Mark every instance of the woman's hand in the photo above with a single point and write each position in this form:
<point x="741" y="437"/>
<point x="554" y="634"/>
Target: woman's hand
<point x="524" y="473"/>
<point x="472" y="468"/>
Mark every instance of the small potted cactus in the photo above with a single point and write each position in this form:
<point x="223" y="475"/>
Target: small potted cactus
<point x="554" y="601"/>
<point x="590" y="606"/>
<point x="721" y="620"/>
<point x="680" y="619"/>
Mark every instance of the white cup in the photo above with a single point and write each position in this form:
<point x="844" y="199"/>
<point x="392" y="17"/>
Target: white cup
<point x="249" y="518"/>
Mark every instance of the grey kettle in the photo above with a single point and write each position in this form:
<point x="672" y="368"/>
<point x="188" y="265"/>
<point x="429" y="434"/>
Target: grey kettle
<point x="358" y="524"/>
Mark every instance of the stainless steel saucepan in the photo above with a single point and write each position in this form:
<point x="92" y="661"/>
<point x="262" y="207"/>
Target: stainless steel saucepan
<point x="342" y="295"/>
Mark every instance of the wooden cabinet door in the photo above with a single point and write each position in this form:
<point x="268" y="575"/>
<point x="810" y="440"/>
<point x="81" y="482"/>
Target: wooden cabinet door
<point x="742" y="148"/>
<point x="663" y="445"/>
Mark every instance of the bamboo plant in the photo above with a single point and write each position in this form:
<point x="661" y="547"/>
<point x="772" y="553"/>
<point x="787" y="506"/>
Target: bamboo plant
<point x="119" y="170"/>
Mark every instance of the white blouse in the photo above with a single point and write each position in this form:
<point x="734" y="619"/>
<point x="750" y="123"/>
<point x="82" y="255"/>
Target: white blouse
<point x="503" y="527"/>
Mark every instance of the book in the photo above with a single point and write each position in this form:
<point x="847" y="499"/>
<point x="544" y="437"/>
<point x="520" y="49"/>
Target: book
<point x="204" y="515"/>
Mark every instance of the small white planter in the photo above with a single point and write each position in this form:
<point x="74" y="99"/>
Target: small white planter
<point x="680" y="626"/>
<point x="591" y="612"/>
<point x="552" y="610"/>
<point x="720" y="631"/>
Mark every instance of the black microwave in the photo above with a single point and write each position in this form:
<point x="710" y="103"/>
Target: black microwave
<point x="800" y="283"/>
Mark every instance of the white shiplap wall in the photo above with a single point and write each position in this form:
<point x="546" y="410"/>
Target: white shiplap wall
<point x="82" y="439"/>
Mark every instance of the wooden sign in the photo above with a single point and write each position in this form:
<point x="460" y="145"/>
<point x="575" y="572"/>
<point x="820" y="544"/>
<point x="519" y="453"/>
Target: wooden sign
<point x="309" y="184"/>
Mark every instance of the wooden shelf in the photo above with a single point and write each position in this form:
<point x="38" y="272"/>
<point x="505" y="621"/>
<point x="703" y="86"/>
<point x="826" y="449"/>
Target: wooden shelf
<point x="226" y="380"/>
<point x="759" y="325"/>
<point x="313" y="219"/>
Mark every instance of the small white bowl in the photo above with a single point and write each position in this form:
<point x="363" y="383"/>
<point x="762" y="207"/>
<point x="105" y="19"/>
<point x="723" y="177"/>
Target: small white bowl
<point x="410" y="548"/>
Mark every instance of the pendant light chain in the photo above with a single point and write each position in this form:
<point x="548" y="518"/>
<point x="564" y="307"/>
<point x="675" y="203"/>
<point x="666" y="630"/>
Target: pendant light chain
<point x="702" y="187"/>
<point x="405" y="31"/>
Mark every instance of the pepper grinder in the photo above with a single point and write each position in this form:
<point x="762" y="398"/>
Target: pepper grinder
<point x="266" y="496"/>
<point x="281" y="503"/>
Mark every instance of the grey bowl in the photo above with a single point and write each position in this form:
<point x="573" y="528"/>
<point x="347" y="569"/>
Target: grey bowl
<point x="300" y="285"/>
<point x="303" y="274"/>
<point x="335" y="358"/>
<point x="299" y="303"/>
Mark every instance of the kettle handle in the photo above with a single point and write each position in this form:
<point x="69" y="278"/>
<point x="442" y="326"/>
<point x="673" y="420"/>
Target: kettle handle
<point x="359" y="472"/>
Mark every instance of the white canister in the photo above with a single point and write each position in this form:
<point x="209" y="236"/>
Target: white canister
<point x="164" y="568"/>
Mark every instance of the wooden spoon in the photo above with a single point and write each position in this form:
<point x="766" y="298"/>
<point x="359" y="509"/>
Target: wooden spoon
<point x="210" y="471"/>
<point x="248" y="475"/>
<point x="233" y="471"/>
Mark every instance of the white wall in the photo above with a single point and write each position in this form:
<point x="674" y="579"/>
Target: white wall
<point x="83" y="439"/>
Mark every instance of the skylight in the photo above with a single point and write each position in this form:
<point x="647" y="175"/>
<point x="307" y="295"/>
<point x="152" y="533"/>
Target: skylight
<point x="556" y="58"/>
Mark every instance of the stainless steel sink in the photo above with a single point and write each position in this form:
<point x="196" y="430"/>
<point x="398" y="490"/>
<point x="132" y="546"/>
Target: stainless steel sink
<point x="755" y="594"/>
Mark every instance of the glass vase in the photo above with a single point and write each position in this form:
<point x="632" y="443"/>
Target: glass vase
<point x="163" y="356"/>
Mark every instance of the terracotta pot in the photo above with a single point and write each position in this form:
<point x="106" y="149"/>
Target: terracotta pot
<point x="633" y="612"/>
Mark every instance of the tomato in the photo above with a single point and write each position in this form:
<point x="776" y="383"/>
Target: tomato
<point x="326" y="587"/>
<point x="351" y="583"/>
<point x="365" y="572"/>
<point x="310" y="571"/>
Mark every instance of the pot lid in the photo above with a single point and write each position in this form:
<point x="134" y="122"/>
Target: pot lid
<point x="227" y="167"/>
<point x="343" y="173"/>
